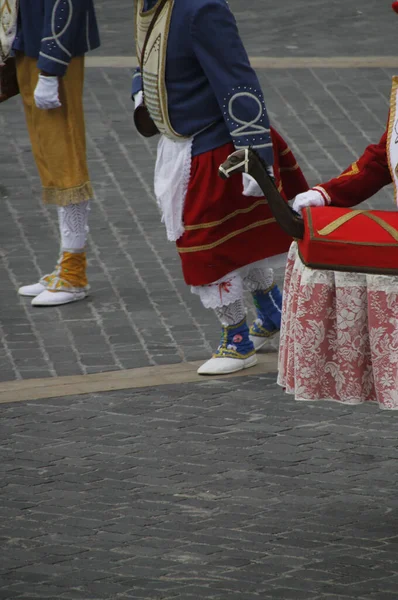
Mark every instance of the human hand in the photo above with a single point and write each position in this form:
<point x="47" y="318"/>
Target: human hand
<point x="309" y="198"/>
<point x="46" y="93"/>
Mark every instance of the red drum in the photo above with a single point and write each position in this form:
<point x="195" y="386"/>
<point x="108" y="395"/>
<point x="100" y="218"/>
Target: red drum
<point x="344" y="239"/>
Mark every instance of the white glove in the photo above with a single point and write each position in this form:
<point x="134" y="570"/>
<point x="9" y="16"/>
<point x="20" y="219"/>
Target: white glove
<point x="46" y="93"/>
<point x="310" y="198"/>
<point x="250" y="185"/>
<point x="138" y="98"/>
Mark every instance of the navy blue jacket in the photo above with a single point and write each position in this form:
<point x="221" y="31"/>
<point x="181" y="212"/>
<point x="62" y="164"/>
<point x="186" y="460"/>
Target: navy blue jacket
<point x="213" y="92"/>
<point x="54" y="31"/>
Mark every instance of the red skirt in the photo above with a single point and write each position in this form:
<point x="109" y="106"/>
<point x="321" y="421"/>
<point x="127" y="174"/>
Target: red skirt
<point x="225" y="230"/>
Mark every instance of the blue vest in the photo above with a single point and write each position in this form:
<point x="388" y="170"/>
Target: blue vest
<point x="54" y="32"/>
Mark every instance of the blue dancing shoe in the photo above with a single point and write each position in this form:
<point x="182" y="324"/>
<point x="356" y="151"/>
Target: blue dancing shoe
<point x="268" y="305"/>
<point x="235" y="352"/>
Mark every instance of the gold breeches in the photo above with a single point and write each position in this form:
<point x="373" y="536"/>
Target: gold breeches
<point x="58" y="136"/>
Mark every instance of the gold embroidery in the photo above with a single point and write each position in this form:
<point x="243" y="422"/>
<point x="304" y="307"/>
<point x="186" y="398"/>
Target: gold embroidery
<point x="240" y="211"/>
<point x="354" y="171"/>
<point x="227" y="237"/>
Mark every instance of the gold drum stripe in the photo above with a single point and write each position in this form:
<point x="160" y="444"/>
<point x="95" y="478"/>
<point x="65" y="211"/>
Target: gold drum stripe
<point x="347" y="217"/>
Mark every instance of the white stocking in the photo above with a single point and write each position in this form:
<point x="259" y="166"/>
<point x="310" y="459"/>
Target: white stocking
<point x="232" y="314"/>
<point x="73" y="226"/>
<point x="258" y="278"/>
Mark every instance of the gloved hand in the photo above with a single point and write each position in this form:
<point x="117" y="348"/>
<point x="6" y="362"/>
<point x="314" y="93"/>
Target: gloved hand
<point x="250" y="185"/>
<point x="309" y="198"/>
<point x="46" y="93"/>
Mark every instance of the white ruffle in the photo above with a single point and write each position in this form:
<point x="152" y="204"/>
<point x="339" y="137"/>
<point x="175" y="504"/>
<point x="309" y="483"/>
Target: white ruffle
<point x="223" y="292"/>
<point x="229" y="289"/>
<point x="172" y="174"/>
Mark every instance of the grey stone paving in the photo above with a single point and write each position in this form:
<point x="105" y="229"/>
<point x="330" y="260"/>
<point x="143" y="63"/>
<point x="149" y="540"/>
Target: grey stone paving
<point x="140" y="311"/>
<point x="284" y="28"/>
<point x="220" y="490"/>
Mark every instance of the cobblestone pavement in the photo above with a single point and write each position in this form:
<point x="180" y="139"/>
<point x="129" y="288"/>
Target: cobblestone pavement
<point x="140" y="311"/>
<point x="222" y="489"/>
<point x="218" y="490"/>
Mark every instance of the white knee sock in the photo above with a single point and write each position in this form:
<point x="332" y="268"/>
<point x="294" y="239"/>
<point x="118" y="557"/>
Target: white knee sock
<point x="258" y="278"/>
<point x="232" y="314"/>
<point x="73" y="226"/>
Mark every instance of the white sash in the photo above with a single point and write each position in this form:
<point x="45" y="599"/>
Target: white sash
<point x="8" y="27"/>
<point x="172" y="174"/>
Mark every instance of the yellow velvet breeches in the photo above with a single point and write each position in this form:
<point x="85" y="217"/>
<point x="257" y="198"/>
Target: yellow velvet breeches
<point x="58" y="136"/>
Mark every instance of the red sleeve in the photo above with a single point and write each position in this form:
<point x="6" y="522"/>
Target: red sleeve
<point x="362" y="179"/>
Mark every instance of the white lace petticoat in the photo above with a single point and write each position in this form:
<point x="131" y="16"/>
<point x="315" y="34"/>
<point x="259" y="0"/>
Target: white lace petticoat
<point x="339" y="336"/>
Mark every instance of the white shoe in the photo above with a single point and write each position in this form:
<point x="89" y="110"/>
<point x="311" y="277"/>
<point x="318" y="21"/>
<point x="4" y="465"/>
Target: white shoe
<point x="222" y="366"/>
<point x="259" y="342"/>
<point x="47" y="298"/>
<point x="31" y="290"/>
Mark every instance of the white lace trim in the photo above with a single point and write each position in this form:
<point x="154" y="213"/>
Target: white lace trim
<point x="172" y="174"/>
<point x="229" y="289"/>
<point x="223" y="292"/>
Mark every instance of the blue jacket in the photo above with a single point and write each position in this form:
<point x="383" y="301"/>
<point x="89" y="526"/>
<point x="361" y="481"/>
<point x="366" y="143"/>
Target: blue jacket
<point x="54" y="31"/>
<point x="211" y="87"/>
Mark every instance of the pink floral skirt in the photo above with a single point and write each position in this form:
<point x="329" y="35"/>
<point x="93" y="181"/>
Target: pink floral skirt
<point x="339" y="336"/>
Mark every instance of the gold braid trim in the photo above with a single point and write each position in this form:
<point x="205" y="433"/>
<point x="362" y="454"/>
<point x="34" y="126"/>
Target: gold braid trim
<point x="239" y="211"/>
<point x="225" y="238"/>
<point x="64" y="197"/>
<point x="351" y="215"/>
<point x="353" y="171"/>
<point x="294" y="168"/>
<point x="285" y="152"/>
